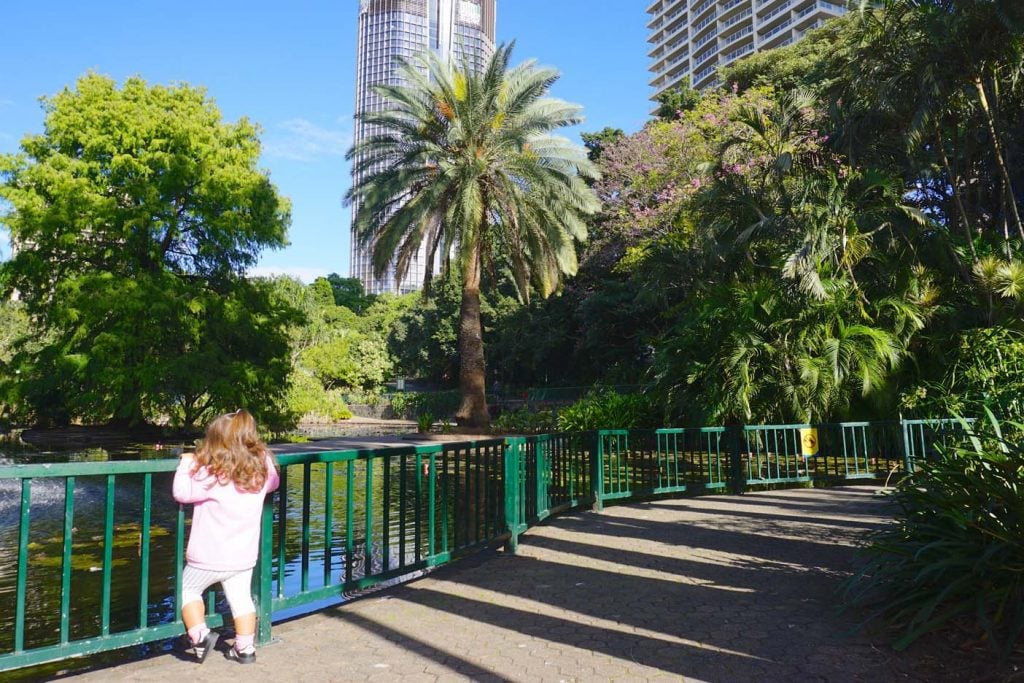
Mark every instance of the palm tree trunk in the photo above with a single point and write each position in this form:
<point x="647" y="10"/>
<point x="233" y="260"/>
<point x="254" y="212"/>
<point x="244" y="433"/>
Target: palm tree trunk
<point x="1000" y="161"/>
<point x="473" y="410"/>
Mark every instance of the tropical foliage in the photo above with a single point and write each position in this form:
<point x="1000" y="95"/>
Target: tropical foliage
<point x="608" y="409"/>
<point x="956" y="550"/>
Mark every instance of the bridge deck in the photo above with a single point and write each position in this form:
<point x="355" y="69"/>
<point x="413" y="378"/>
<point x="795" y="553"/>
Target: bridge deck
<point x="716" y="588"/>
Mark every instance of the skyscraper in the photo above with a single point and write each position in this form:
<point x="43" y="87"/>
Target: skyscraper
<point x="690" y="39"/>
<point x="462" y="30"/>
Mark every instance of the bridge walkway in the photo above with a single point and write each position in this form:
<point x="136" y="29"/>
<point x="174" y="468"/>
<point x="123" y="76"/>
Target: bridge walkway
<point x="716" y="588"/>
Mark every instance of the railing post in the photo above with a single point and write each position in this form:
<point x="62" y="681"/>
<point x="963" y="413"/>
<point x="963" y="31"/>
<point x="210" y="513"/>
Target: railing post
<point x="737" y="478"/>
<point x="906" y="439"/>
<point x="262" y="577"/>
<point x="513" y="486"/>
<point x="597" y="470"/>
<point x="542" y="470"/>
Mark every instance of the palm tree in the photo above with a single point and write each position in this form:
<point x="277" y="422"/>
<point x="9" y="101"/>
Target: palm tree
<point x="463" y="163"/>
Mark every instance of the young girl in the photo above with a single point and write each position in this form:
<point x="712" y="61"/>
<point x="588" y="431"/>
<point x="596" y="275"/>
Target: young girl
<point x="226" y="478"/>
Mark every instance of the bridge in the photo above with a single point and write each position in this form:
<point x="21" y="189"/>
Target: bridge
<point x="716" y="588"/>
<point x="552" y="584"/>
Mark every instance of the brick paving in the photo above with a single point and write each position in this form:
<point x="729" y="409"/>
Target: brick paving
<point x="717" y="588"/>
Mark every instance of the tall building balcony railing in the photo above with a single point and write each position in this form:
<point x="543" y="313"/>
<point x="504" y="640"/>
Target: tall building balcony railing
<point x="675" y="13"/>
<point x="821" y="5"/>
<point x="704" y="73"/>
<point x="667" y="64"/>
<point x="675" y="33"/>
<point x="704" y="56"/>
<point x="706" y="39"/>
<point x="739" y="52"/>
<point x="733" y="37"/>
<point x="675" y="43"/>
<point x="702" y="7"/>
<point x="737" y="18"/>
<point x="704" y="22"/>
<point x="678" y="58"/>
<point x="729" y="5"/>
<point x="813" y="25"/>
<point x="778" y="29"/>
<point x="774" y="13"/>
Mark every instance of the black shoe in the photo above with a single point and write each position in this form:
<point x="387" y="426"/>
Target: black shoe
<point x="241" y="657"/>
<point x="203" y="648"/>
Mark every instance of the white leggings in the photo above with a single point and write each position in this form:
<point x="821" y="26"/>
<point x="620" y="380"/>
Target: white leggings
<point x="236" y="584"/>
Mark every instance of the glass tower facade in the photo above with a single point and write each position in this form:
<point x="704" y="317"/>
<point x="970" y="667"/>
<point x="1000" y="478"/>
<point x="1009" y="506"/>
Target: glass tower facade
<point x="455" y="29"/>
<point x="690" y="39"/>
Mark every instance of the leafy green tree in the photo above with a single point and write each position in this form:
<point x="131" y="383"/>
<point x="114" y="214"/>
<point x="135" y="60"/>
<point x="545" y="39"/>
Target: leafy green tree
<point x="350" y="293"/>
<point x="135" y="214"/>
<point x="465" y="164"/>
<point x="673" y="103"/>
<point x="812" y="63"/>
<point x="424" y="340"/>
<point x="596" y="142"/>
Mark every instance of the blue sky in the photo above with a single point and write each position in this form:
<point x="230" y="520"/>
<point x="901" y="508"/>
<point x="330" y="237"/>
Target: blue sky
<point x="290" y="67"/>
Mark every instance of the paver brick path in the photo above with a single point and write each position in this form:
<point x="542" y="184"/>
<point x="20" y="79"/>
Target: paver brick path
<point x="717" y="588"/>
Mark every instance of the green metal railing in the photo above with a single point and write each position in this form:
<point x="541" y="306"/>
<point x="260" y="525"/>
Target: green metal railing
<point x="345" y="521"/>
<point x="922" y="439"/>
<point x="18" y="652"/>
<point x="773" y="454"/>
<point x="402" y="510"/>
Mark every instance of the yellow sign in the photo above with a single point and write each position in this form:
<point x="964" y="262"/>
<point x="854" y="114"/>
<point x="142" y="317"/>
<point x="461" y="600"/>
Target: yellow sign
<point x="809" y="441"/>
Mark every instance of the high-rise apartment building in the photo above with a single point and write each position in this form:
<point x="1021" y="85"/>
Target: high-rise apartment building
<point x="462" y="30"/>
<point x="690" y="39"/>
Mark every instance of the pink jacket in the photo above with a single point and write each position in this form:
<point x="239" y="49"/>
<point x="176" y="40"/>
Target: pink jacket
<point x="225" y="532"/>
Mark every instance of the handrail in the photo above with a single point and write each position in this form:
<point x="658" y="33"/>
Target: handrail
<point x="343" y="521"/>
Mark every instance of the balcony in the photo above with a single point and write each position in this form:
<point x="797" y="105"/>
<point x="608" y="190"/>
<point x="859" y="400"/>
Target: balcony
<point x="706" y="39"/>
<point x="704" y="22"/>
<point x="675" y="60"/>
<point x="778" y="29"/>
<point x="737" y="18"/>
<point x="704" y="73"/>
<point x="703" y="6"/>
<point x="736" y="54"/>
<point x="774" y="13"/>
<point x="733" y="37"/>
<point x="675" y="43"/>
<point x="704" y="56"/>
<point x="820" y="5"/>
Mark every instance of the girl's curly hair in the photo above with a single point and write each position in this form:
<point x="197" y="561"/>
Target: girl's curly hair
<point x="233" y="451"/>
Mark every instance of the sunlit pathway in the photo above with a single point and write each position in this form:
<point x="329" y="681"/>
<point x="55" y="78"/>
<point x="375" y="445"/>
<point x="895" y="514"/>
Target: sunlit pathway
<point x="717" y="588"/>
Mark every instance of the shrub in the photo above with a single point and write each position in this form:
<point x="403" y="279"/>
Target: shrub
<point x="443" y="403"/>
<point x="986" y="369"/>
<point x="606" y="409"/>
<point x="525" y="421"/>
<point x="956" y="550"/>
<point x="424" y="422"/>
<point x="308" y="400"/>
